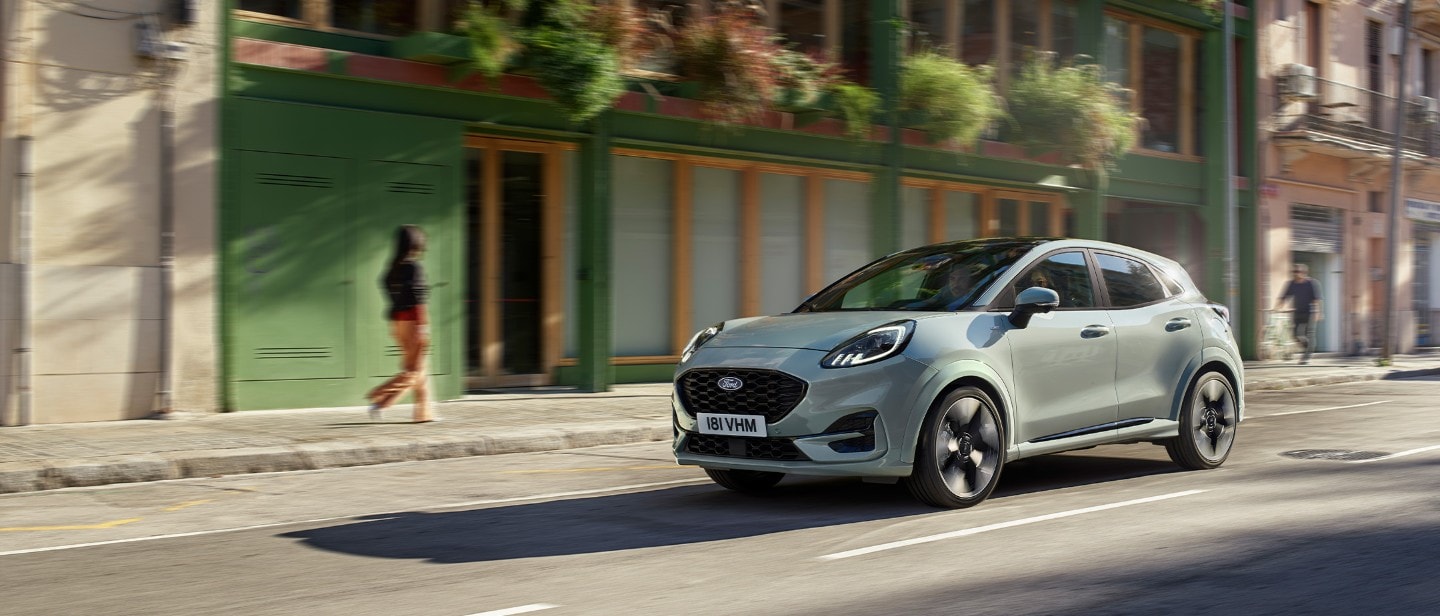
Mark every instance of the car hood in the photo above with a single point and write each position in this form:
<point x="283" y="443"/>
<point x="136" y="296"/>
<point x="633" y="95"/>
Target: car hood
<point x="820" y="331"/>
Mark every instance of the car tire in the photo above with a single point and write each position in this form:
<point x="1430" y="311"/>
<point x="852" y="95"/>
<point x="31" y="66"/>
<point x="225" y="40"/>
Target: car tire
<point x="960" y="451"/>
<point x="1208" y="421"/>
<point x="749" y="482"/>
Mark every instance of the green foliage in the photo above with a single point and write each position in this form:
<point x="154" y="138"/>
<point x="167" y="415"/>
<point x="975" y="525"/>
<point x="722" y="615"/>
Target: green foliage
<point x="953" y="100"/>
<point x="857" y="106"/>
<point x="577" y="69"/>
<point x="491" y="43"/>
<point x="1070" y="109"/>
<point x="729" y="55"/>
<point x="1215" y="9"/>
<point x="803" y="78"/>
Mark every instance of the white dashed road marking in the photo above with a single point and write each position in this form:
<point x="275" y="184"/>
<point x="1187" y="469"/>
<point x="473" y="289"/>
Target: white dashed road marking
<point x="1002" y="525"/>
<point x="524" y="609"/>
<point x="1332" y="408"/>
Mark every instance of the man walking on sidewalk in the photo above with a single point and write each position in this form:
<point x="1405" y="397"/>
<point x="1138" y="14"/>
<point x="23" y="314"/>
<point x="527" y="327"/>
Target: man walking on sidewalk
<point x="1304" y="295"/>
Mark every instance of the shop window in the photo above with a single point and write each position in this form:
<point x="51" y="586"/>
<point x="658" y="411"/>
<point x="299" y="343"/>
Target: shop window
<point x="280" y="8"/>
<point x="1063" y="20"/>
<point x="927" y="24"/>
<point x="782" y="221"/>
<point x="1117" y="51"/>
<point x="1024" y="32"/>
<point x="914" y="216"/>
<point x="962" y="215"/>
<point x="803" y="24"/>
<point x="977" y="34"/>
<point x="642" y="240"/>
<point x="855" y="40"/>
<point x="1160" y="73"/>
<point x="847" y="227"/>
<point x="716" y="253"/>
<point x="388" y="17"/>
<point x="1009" y="217"/>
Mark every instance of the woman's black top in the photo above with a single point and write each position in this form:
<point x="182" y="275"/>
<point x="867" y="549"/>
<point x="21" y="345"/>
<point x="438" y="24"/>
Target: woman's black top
<point x="405" y="284"/>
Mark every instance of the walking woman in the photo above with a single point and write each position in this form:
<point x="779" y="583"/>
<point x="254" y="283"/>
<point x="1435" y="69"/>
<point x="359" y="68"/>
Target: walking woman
<point x="404" y="283"/>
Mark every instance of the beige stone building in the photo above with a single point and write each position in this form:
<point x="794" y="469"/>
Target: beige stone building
<point x="1329" y="75"/>
<point x="91" y="183"/>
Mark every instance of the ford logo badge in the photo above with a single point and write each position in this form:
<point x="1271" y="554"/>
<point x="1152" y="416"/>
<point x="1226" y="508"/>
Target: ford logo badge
<point x="730" y="383"/>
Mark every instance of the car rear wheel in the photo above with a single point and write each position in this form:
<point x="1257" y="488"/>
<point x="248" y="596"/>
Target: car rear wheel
<point x="749" y="482"/>
<point x="960" y="451"/>
<point x="1207" y="424"/>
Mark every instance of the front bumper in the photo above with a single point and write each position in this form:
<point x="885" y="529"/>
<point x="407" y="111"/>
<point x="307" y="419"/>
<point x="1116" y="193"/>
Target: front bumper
<point x="803" y="442"/>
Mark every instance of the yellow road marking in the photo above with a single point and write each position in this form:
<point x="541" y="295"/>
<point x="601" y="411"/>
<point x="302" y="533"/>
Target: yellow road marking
<point x="100" y="526"/>
<point x="189" y="504"/>
<point x="595" y="469"/>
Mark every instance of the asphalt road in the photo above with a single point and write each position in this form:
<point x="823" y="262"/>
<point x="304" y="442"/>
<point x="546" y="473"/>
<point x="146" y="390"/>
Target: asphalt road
<point x="1352" y="525"/>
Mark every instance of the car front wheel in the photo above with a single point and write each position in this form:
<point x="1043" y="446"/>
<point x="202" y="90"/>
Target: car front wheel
<point x="1207" y="424"/>
<point x="749" y="482"/>
<point x="960" y="451"/>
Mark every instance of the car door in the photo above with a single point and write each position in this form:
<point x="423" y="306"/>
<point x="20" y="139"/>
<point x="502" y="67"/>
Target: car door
<point x="1064" y="361"/>
<point x="1157" y="334"/>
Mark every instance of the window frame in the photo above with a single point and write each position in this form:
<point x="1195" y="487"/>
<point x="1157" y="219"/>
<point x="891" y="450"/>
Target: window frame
<point x="988" y="200"/>
<point x="1005" y="301"/>
<point x="1155" y="273"/>
<point x="1190" y="40"/>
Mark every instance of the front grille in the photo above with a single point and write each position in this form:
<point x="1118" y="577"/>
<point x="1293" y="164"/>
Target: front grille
<point x="742" y="447"/>
<point x="763" y="392"/>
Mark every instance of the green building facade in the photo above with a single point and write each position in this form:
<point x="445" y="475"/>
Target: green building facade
<point x="586" y="255"/>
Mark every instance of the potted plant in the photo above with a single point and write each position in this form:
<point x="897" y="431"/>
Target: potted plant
<point x="948" y="99"/>
<point x="492" y="40"/>
<point x="856" y="105"/>
<point x="729" y="57"/>
<point x="1070" y="109"/>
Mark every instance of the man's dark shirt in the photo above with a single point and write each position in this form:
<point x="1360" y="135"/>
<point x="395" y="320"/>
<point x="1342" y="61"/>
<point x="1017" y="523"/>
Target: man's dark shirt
<point x="1302" y="294"/>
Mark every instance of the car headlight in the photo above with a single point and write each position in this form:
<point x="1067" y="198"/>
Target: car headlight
<point x="699" y="340"/>
<point x="871" y="346"/>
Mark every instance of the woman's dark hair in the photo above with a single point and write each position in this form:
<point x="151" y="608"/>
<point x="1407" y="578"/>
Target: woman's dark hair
<point x="409" y="239"/>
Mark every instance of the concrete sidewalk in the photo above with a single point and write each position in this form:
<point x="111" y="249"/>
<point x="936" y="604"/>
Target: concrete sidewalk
<point x="48" y="457"/>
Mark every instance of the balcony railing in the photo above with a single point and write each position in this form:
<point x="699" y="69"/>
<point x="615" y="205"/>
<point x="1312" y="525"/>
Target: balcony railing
<point x="1363" y="118"/>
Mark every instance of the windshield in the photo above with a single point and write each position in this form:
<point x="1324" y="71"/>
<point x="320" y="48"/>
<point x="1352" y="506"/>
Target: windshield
<point x="933" y="278"/>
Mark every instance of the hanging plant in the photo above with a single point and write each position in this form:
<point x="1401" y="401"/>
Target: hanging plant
<point x="856" y="105"/>
<point x="624" y="29"/>
<point x="491" y="43"/>
<point x="1215" y="9"/>
<point x="572" y="62"/>
<point x="729" y="55"/>
<point x="949" y="99"/>
<point x="1072" y="110"/>
<point x="801" y="78"/>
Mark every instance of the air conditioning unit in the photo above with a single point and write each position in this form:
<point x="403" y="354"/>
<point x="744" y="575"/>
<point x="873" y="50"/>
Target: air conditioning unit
<point x="1297" y="82"/>
<point x="1425" y="109"/>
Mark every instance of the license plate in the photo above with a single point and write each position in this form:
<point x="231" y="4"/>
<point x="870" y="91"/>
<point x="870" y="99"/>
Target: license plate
<point x="731" y="425"/>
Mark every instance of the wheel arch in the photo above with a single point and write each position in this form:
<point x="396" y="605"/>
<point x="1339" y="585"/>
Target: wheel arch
<point x="1210" y="360"/>
<point x="959" y="375"/>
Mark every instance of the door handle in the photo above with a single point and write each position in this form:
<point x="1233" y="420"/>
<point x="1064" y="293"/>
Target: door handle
<point x="1094" y="331"/>
<point x="1175" y="325"/>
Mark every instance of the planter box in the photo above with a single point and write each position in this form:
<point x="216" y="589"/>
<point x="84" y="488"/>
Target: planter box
<point x="432" y="47"/>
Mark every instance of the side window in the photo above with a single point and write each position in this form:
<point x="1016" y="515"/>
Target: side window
<point x="1066" y="274"/>
<point x="1129" y="282"/>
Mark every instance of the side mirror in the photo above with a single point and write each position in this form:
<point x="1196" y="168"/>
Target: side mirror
<point x="1032" y="301"/>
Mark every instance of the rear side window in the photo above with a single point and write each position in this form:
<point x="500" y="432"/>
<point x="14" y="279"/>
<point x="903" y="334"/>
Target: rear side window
<point x="1129" y="282"/>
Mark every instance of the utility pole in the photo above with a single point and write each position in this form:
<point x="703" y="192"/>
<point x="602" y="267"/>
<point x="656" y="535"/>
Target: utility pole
<point x="1397" y="169"/>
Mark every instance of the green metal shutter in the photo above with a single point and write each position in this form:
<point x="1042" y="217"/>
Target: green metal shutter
<point x="292" y="311"/>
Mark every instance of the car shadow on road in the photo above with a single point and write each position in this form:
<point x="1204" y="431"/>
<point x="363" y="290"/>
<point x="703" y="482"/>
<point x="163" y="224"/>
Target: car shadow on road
<point x="671" y="517"/>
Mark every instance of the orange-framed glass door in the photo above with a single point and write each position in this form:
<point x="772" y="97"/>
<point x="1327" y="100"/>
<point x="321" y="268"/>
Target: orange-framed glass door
<point x="514" y="297"/>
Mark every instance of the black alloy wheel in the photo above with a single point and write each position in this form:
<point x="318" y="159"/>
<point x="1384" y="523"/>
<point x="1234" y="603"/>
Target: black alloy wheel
<point x="961" y="451"/>
<point x="1207" y="424"/>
